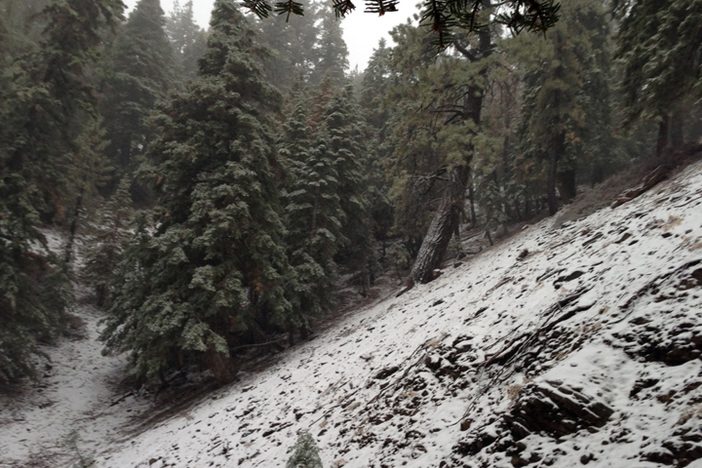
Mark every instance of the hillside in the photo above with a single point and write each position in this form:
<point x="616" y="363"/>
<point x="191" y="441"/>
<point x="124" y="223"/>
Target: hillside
<point x="563" y="345"/>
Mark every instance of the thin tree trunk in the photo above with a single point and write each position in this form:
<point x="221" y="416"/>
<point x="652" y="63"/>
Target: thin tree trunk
<point x="471" y="197"/>
<point x="72" y="232"/>
<point x="662" y="136"/>
<point x="551" y="184"/>
<point x="677" y="138"/>
<point x="566" y="185"/>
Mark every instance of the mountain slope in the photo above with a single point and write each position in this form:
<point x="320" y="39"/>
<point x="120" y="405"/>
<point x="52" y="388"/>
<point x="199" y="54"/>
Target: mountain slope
<point x="575" y="345"/>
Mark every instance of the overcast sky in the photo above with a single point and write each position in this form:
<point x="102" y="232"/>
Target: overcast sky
<point x="362" y="31"/>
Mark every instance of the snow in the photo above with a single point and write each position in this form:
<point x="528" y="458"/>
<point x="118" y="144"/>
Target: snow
<point x="409" y="380"/>
<point x="52" y="422"/>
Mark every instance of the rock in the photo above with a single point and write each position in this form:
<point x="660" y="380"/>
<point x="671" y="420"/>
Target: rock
<point x="556" y="409"/>
<point x="386" y="372"/>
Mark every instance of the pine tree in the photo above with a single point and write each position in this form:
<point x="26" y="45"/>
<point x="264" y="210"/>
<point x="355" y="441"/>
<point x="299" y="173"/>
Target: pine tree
<point x="566" y="107"/>
<point x="374" y="89"/>
<point x="345" y="127"/>
<point x="314" y="219"/>
<point x="211" y="274"/>
<point x="44" y="122"/>
<point x="141" y="62"/>
<point x="188" y="40"/>
<point x="305" y="453"/>
<point x="332" y="52"/>
<point x="659" y="46"/>
<point x="293" y="44"/>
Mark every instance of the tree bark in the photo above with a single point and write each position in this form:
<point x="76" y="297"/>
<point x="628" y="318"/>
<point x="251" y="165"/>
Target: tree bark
<point x="442" y="226"/>
<point x="551" y="184"/>
<point x="662" y="136"/>
<point x="677" y="137"/>
<point x="446" y="218"/>
<point x="471" y="197"/>
<point x="221" y="365"/>
<point x="566" y="185"/>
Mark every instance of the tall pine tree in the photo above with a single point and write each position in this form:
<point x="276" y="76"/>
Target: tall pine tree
<point x="346" y="136"/>
<point x="314" y="218"/>
<point x="660" y="48"/>
<point x="45" y="116"/>
<point x="189" y="41"/>
<point x="141" y="61"/>
<point x="210" y="275"/>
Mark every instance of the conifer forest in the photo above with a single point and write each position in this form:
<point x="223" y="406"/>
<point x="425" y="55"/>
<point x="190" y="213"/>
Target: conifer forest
<point x="224" y="192"/>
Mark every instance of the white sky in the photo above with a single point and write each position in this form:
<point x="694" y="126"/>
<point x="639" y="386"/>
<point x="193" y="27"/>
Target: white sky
<point x="362" y="31"/>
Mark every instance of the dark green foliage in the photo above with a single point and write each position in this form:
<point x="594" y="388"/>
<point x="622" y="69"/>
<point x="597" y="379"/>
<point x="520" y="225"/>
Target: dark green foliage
<point x="660" y="48"/>
<point x="314" y="218"/>
<point x="141" y="66"/>
<point x="45" y="127"/>
<point x="211" y="273"/>
<point x="567" y="122"/>
<point x="33" y="296"/>
<point x="305" y="453"/>
<point x="344" y="125"/>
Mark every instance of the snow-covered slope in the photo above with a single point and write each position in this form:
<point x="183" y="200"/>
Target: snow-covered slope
<point x="568" y="345"/>
<point x="562" y="346"/>
<point x="58" y="420"/>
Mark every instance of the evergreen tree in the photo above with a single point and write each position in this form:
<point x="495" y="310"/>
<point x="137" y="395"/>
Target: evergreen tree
<point x="345" y="127"/>
<point x="314" y="218"/>
<point x="567" y="116"/>
<point x="333" y="55"/>
<point x="141" y="62"/>
<point x="44" y="119"/>
<point x="305" y="453"/>
<point x="211" y="273"/>
<point x="293" y="44"/>
<point x="660" y="48"/>
<point x="378" y="112"/>
<point x="188" y="40"/>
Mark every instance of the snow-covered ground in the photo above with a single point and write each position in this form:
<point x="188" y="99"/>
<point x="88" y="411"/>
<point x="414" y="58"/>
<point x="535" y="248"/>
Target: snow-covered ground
<point x="568" y="345"/>
<point x="58" y="421"/>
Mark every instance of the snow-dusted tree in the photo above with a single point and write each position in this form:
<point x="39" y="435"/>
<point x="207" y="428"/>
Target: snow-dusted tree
<point x="46" y="105"/>
<point x="210" y="274"/>
<point x="344" y="124"/>
<point x="314" y="217"/>
<point x="660" y="48"/>
<point x="305" y="453"/>
<point x="141" y="63"/>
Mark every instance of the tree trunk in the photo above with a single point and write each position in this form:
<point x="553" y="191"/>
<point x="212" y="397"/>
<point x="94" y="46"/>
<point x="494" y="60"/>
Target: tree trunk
<point x="662" y="136"/>
<point x="446" y="218"/>
<point x="471" y="197"/>
<point x="566" y="185"/>
<point x="677" y="138"/>
<point x="221" y="365"/>
<point x="551" y="184"/>
<point x="442" y="227"/>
